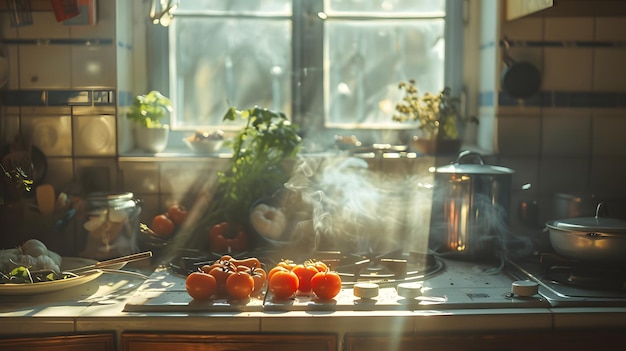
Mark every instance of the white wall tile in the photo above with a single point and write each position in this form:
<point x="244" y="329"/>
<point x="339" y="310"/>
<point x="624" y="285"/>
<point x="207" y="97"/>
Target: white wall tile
<point x="95" y="135"/>
<point x="526" y="173"/>
<point x="45" y="26"/>
<point x="566" y="135"/>
<point x="568" y="69"/>
<point x="560" y="174"/>
<point x="610" y="28"/>
<point x="52" y="134"/>
<point x="44" y="66"/>
<point x="486" y="136"/>
<point x="519" y="135"/>
<point x="489" y="14"/>
<point x="528" y="28"/>
<point x="6" y="30"/>
<point x="609" y="74"/>
<point x="562" y="28"/>
<point x="176" y="182"/>
<point x="93" y="66"/>
<point x="489" y="68"/>
<point x="96" y="174"/>
<point x="60" y="173"/>
<point x="140" y="177"/>
<point x="608" y="134"/>
<point x="12" y="54"/>
<point x="607" y="176"/>
<point x="10" y="127"/>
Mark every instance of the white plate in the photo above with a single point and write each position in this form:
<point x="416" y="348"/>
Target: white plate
<point x="55" y="285"/>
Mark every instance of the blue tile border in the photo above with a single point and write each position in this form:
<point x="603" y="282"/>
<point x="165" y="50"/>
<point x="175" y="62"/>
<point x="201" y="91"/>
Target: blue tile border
<point x="64" y="41"/>
<point x="582" y="43"/>
<point x="76" y="97"/>
<point x="566" y="99"/>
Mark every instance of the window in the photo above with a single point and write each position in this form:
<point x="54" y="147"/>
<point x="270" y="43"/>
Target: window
<point x="331" y="65"/>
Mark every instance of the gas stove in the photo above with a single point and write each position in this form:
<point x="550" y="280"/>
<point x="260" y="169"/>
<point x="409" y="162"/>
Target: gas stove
<point x="566" y="282"/>
<point x="371" y="281"/>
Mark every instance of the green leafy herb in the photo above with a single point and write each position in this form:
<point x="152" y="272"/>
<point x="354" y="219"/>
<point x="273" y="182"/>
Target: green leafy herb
<point x="257" y="167"/>
<point x="150" y="109"/>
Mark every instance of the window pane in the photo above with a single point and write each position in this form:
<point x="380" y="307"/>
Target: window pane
<point x="222" y="62"/>
<point x="367" y="60"/>
<point x="387" y="7"/>
<point x="282" y="7"/>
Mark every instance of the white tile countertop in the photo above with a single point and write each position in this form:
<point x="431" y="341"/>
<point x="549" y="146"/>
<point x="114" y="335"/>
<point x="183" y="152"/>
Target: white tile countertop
<point x="99" y="306"/>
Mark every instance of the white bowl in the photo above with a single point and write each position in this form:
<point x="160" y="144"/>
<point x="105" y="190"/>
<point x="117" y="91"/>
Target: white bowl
<point x="204" y="146"/>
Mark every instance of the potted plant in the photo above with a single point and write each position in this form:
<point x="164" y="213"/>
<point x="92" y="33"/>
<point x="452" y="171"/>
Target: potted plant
<point x="147" y="113"/>
<point x="437" y="116"/>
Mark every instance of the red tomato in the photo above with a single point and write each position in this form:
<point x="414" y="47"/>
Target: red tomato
<point x="321" y="266"/>
<point x="240" y="285"/>
<point x="258" y="275"/>
<point x="283" y="284"/>
<point x="227" y="237"/>
<point x="304" y="272"/>
<point x="326" y="285"/>
<point x="200" y="286"/>
<point x="177" y="213"/>
<point x="221" y="274"/>
<point x="162" y="225"/>
<point x="289" y="264"/>
<point x="274" y="270"/>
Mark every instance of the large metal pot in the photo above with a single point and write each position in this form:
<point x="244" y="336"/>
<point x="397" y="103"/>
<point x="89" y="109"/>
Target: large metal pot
<point x="470" y="210"/>
<point x="594" y="239"/>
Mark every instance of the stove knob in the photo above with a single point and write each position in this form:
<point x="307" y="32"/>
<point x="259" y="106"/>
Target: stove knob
<point x="524" y="288"/>
<point x="365" y="290"/>
<point x="409" y="290"/>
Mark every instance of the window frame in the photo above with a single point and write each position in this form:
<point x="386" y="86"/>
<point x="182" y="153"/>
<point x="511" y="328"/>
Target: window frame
<point x="158" y="63"/>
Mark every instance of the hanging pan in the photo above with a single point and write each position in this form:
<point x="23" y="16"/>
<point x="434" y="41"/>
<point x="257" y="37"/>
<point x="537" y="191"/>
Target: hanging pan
<point x="520" y="79"/>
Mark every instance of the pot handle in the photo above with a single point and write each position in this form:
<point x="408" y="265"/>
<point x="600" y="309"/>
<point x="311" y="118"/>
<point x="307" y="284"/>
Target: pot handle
<point x="601" y="210"/>
<point x="506" y="57"/>
<point x="466" y="154"/>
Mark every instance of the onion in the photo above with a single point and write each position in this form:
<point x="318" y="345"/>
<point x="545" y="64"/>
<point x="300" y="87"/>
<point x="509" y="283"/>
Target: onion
<point x="45" y="262"/>
<point x="268" y="221"/>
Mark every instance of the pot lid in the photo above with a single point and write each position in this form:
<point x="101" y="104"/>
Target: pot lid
<point x="461" y="167"/>
<point x="591" y="224"/>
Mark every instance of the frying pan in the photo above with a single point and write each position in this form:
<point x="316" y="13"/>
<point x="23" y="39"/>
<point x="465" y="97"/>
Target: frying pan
<point x="34" y="163"/>
<point x="520" y="79"/>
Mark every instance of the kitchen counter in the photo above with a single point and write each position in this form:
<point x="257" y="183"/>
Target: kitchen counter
<point x="99" y="306"/>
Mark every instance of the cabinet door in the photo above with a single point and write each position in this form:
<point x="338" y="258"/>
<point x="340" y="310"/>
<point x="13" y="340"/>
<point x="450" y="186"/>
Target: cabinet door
<point x="91" y="342"/>
<point x="548" y="341"/>
<point x="227" y="342"/>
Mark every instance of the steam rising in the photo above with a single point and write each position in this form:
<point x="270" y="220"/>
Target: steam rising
<point x="356" y="209"/>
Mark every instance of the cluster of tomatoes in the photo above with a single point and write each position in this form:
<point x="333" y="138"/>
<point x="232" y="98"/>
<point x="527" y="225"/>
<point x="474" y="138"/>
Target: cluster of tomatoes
<point x="227" y="278"/>
<point x="311" y="277"/>
<point x="164" y="225"/>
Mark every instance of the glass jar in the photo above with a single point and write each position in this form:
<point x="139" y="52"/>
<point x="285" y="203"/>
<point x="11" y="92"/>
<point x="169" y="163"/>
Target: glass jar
<point x="111" y="225"/>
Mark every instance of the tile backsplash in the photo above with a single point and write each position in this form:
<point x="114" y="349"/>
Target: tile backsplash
<point x="68" y="85"/>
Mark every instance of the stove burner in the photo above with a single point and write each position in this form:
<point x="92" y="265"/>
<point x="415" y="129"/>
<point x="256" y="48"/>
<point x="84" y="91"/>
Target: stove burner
<point x="388" y="268"/>
<point x="582" y="274"/>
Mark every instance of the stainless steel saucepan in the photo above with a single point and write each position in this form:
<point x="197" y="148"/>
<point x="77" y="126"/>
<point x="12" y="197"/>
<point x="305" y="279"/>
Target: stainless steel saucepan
<point x="594" y="239"/>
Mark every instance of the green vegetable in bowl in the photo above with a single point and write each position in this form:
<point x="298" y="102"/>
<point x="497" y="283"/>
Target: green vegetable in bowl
<point x="23" y="275"/>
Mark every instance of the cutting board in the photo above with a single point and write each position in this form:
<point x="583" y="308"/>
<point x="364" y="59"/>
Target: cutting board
<point x="165" y="291"/>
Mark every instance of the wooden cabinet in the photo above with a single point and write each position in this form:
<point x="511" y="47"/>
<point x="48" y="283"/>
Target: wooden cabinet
<point x="571" y="341"/>
<point x="152" y="341"/>
<point x="79" y="342"/>
<point x="564" y="8"/>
